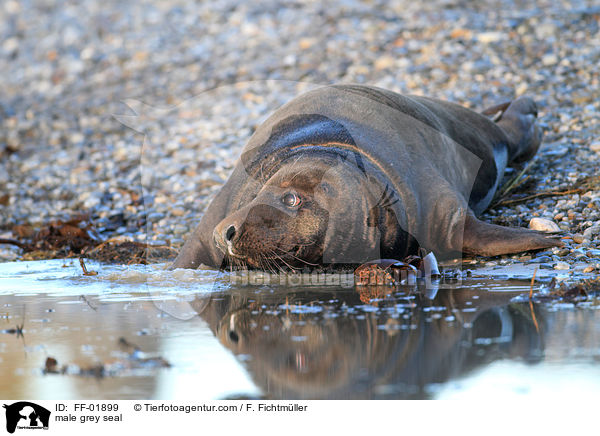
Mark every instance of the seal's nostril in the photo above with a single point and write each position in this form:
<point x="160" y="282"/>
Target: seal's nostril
<point x="230" y="233"/>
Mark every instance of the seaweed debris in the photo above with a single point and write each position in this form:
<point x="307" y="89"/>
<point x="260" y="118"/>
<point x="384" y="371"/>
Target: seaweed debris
<point x="77" y="237"/>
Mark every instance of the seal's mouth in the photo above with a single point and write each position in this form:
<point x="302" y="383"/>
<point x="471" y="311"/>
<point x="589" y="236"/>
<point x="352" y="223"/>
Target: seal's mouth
<point x="274" y="258"/>
<point x="228" y="249"/>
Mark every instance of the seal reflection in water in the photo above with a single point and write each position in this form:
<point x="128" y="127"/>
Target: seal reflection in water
<point x="347" y="174"/>
<point x="293" y="348"/>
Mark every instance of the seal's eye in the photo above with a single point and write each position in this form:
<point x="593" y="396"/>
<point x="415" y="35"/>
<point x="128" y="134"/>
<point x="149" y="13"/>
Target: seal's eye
<point x="291" y="200"/>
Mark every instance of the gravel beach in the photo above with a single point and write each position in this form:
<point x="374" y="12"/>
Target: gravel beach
<point x="135" y="112"/>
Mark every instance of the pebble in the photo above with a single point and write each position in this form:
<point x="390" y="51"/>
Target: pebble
<point x="562" y="266"/>
<point x="590" y="232"/>
<point x="490" y="37"/>
<point x="155" y="216"/>
<point x="180" y="229"/>
<point x="178" y="211"/>
<point x="543" y="225"/>
<point x="542" y="259"/>
<point x="549" y="60"/>
<point x="557" y="152"/>
<point x="561" y="251"/>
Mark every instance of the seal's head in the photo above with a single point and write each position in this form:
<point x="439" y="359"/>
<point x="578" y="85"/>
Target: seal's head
<point x="310" y="211"/>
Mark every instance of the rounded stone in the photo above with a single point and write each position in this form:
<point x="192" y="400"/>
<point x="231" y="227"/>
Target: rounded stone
<point x="543" y="225"/>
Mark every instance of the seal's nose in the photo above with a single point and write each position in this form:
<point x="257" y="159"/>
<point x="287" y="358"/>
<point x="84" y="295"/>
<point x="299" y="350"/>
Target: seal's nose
<point x="229" y="233"/>
<point x="224" y="235"/>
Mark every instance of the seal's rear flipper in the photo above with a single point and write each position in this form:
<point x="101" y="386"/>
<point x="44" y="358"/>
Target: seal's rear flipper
<point x="491" y="240"/>
<point x="519" y="123"/>
<point x="496" y="112"/>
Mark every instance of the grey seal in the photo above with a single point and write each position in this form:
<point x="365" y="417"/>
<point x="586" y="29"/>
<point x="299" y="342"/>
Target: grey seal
<point x="345" y="174"/>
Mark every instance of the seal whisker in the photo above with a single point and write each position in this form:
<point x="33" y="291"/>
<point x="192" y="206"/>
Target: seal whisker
<point x="275" y="264"/>
<point x="236" y="263"/>
<point x="278" y="268"/>
<point x="261" y="263"/>
<point x="298" y="258"/>
<point x="281" y="259"/>
<point x="266" y="262"/>
<point x="308" y="244"/>
<point x="304" y="261"/>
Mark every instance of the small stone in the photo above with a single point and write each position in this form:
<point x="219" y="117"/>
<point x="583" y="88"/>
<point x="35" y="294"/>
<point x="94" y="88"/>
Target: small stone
<point x="588" y="269"/>
<point x="549" y="59"/>
<point x="562" y="266"/>
<point x="384" y="62"/>
<point x="180" y="229"/>
<point x="593" y="253"/>
<point x="10" y="44"/>
<point x="489" y="37"/>
<point x="155" y="216"/>
<point x="595" y="147"/>
<point x="306" y="43"/>
<point x="12" y="7"/>
<point x="556" y="151"/>
<point x="461" y="33"/>
<point x="91" y="202"/>
<point x="578" y="239"/>
<point x="591" y="231"/>
<point x="543" y="225"/>
<point x="542" y="259"/>
<point x="7" y="255"/>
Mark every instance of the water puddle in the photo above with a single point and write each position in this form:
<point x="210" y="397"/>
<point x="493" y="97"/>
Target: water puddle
<point x="144" y="332"/>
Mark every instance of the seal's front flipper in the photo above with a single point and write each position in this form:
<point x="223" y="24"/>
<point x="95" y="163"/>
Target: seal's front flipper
<point x="191" y="255"/>
<point x="198" y="250"/>
<point x="491" y="240"/>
